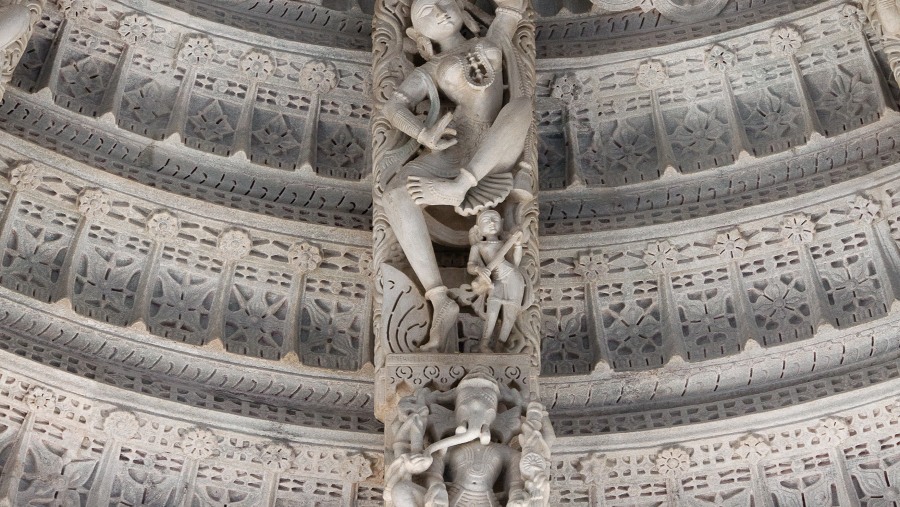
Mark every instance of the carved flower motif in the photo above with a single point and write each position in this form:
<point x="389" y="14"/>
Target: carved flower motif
<point x="366" y="266"/>
<point x="197" y="49"/>
<point x="257" y="64"/>
<point x="832" y="430"/>
<point x="93" y="203"/>
<point x="798" y="228"/>
<point x="199" y="443"/>
<point x="651" y="74"/>
<point x="75" y="8"/>
<point x="661" y="256"/>
<point x="25" y="177"/>
<point x="278" y="456"/>
<point x="356" y="468"/>
<point x="592" y="266"/>
<point x="672" y="461"/>
<point x="850" y="17"/>
<point x="719" y="58"/>
<point x="753" y="448"/>
<point x="778" y="303"/>
<point x="863" y="210"/>
<point x="163" y="225"/>
<point x="305" y="256"/>
<point x="785" y="40"/>
<point x="730" y="245"/>
<point x="235" y="244"/>
<point x="135" y="29"/>
<point x="318" y="76"/>
<point x="39" y="398"/>
<point x="121" y="424"/>
<point x="567" y="88"/>
<point x="532" y="464"/>
<point x="228" y="475"/>
<point x="592" y="467"/>
<point x="894" y="407"/>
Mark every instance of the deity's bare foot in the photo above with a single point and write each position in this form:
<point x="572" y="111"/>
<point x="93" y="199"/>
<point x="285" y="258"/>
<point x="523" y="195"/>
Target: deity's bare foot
<point x="444" y="318"/>
<point x="434" y="192"/>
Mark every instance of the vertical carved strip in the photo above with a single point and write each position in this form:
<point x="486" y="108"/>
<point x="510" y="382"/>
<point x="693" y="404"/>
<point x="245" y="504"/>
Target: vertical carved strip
<point x="310" y="136"/>
<point x="234" y="244"/>
<point x="162" y="227"/>
<point x="257" y="66"/>
<point x="889" y="255"/>
<point x="92" y="204"/>
<point x="573" y="161"/>
<point x="786" y="41"/>
<point x="112" y="97"/>
<point x="9" y="485"/>
<point x="846" y="494"/>
<point x="196" y="50"/>
<point x="242" y="130"/>
<point x="291" y="348"/>
<point x="673" y="340"/>
<point x="49" y="77"/>
<point x="819" y="313"/>
<point x="38" y="400"/>
<point x="666" y="156"/>
<point x="134" y="30"/>
<point x="813" y="126"/>
<point x="747" y="328"/>
<point x="6" y="217"/>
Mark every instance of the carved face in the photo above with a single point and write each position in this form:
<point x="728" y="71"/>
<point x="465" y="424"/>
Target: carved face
<point x="489" y="223"/>
<point x="437" y="19"/>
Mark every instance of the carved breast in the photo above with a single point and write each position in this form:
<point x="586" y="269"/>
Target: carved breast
<point x="468" y="72"/>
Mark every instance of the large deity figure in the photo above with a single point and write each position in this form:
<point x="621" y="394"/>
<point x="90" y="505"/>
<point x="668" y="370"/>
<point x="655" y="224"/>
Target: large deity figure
<point x="469" y="153"/>
<point x="480" y="456"/>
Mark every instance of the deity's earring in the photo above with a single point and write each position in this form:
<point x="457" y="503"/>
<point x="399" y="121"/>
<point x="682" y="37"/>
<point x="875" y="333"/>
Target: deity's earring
<point x="424" y="45"/>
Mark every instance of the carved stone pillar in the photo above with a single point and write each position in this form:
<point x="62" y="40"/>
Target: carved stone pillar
<point x="457" y="321"/>
<point x="17" y="19"/>
<point x="884" y="16"/>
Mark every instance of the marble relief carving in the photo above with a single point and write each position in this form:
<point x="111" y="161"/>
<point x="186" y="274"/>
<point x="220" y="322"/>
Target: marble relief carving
<point x="456" y="447"/>
<point x="454" y="166"/>
<point x="455" y="251"/>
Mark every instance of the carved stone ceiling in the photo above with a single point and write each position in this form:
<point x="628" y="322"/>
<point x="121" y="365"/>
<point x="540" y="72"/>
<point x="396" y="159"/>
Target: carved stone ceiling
<point x="186" y="278"/>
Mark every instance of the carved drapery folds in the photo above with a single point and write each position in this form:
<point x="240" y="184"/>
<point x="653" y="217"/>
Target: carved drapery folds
<point x="17" y="19"/>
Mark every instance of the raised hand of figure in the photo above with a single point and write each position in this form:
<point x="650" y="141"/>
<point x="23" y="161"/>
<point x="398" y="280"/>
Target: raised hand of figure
<point x="518" y="498"/>
<point x="416" y="463"/>
<point x="438" y="137"/>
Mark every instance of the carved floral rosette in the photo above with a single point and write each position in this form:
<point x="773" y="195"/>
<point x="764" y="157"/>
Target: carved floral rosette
<point x="13" y="51"/>
<point x="391" y="148"/>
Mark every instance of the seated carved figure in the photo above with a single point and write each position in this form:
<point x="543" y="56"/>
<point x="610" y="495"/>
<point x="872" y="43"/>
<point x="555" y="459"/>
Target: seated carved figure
<point x="469" y="153"/>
